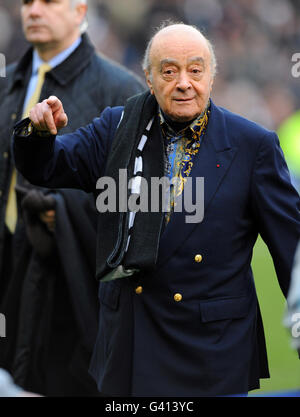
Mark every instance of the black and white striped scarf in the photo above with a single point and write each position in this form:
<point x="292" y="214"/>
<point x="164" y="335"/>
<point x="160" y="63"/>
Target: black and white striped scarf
<point x="129" y="241"/>
<point x="120" y="271"/>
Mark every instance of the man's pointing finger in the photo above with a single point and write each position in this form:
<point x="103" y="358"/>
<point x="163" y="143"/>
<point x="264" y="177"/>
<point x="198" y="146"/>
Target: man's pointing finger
<point x="54" y="103"/>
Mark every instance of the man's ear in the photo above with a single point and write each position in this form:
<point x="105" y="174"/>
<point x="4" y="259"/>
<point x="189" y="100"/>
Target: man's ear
<point x="148" y="80"/>
<point x="81" y="11"/>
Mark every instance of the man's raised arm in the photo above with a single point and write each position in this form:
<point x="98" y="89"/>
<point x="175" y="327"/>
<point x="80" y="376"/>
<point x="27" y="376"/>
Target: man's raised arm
<point x="73" y="160"/>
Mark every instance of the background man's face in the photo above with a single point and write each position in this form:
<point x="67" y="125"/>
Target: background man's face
<point x="181" y="78"/>
<point x="49" y="21"/>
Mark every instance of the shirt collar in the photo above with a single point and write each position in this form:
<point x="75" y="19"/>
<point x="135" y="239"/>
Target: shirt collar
<point x="56" y="60"/>
<point x="194" y="126"/>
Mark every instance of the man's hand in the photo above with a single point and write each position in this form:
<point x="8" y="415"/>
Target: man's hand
<point x="49" y="115"/>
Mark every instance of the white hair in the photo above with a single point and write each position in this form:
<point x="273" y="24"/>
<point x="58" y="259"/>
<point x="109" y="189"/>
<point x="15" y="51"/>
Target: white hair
<point x="146" y="64"/>
<point x="84" y="23"/>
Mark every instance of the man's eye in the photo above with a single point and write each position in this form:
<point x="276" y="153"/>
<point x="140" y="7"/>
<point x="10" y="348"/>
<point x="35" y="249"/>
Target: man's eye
<point x="169" y="73"/>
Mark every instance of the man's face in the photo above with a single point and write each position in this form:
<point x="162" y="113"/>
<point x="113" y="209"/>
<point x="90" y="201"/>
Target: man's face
<point x="50" y="21"/>
<point x="181" y="77"/>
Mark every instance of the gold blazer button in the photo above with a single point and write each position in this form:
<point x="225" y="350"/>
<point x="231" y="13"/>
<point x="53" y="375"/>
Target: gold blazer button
<point x="139" y="290"/>
<point x="177" y="297"/>
<point x="198" y="258"/>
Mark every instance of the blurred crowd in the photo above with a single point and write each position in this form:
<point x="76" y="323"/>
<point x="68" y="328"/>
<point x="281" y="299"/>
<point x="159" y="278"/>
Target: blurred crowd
<point x="254" y="44"/>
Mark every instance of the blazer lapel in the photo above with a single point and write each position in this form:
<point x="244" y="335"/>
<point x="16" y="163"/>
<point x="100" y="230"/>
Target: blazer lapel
<point x="212" y="162"/>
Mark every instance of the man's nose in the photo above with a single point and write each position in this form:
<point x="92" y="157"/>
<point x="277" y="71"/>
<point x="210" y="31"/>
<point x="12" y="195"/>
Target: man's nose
<point x="35" y="8"/>
<point x="183" y="81"/>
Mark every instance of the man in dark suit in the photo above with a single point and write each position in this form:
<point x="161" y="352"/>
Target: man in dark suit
<point x="179" y="314"/>
<point x="46" y="258"/>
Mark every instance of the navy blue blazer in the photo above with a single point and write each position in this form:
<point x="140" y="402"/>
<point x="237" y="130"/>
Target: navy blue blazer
<point x="212" y="341"/>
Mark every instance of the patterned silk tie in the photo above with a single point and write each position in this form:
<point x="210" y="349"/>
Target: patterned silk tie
<point x="11" y="213"/>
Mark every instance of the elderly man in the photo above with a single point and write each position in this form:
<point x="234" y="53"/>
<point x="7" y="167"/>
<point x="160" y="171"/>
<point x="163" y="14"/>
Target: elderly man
<point x="48" y="240"/>
<point x="179" y="314"/>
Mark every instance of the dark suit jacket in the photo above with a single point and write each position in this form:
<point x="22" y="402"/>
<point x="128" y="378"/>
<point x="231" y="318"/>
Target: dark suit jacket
<point x="211" y="342"/>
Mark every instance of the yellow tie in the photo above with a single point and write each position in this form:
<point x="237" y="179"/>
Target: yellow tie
<point x="11" y="213"/>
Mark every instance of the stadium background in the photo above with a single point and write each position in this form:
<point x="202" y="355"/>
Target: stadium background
<point x="254" y="44"/>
